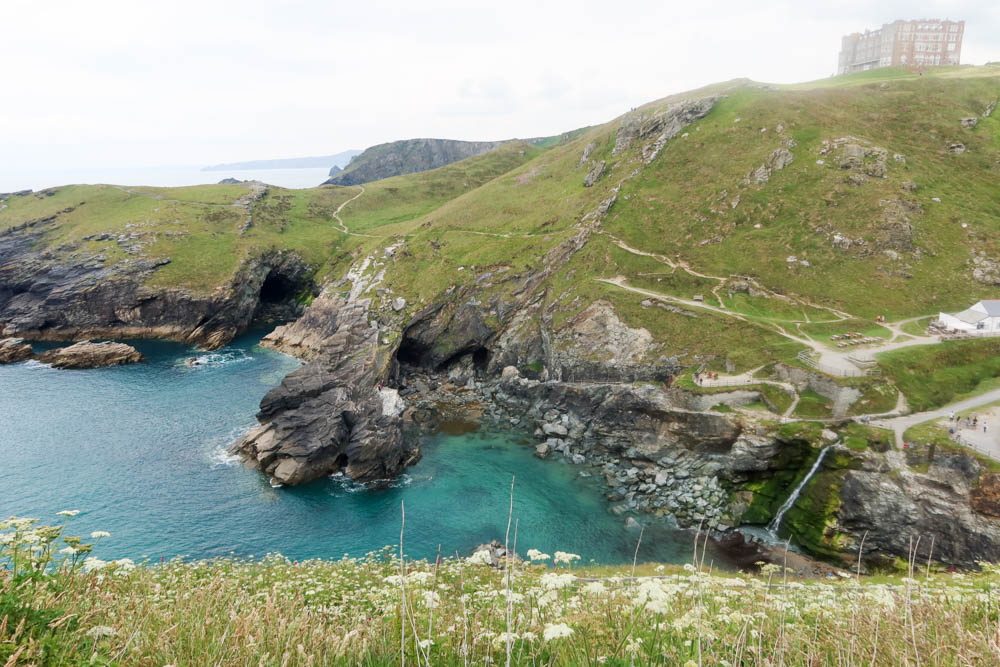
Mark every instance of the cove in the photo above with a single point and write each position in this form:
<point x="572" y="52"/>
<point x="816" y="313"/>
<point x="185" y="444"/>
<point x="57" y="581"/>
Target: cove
<point x="140" y="451"/>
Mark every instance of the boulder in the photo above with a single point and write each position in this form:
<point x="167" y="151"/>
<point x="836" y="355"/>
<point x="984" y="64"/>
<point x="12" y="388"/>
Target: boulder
<point x="13" y="350"/>
<point x="594" y="175"/>
<point x="398" y="304"/>
<point x="91" y="355"/>
<point x="555" y="428"/>
<point x="970" y="122"/>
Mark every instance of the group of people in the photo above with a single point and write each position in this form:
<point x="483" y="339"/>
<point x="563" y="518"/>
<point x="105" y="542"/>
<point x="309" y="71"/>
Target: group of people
<point x="699" y="377"/>
<point x="972" y="422"/>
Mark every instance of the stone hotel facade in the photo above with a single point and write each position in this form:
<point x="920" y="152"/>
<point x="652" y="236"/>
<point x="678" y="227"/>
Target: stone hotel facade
<point x="920" y="43"/>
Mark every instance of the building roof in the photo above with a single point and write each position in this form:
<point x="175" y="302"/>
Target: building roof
<point x="992" y="307"/>
<point x="971" y="316"/>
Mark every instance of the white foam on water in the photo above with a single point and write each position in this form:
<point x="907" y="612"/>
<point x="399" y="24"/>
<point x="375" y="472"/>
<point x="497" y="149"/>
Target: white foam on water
<point x="219" y="454"/>
<point x="35" y="363"/>
<point x="216" y="359"/>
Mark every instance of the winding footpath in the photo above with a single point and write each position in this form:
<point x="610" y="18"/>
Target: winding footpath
<point x="340" y="223"/>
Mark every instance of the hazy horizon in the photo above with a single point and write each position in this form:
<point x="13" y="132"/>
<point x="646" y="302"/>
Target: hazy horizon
<point x="117" y="84"/>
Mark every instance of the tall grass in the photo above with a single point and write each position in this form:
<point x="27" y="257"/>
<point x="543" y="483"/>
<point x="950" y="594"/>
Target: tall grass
<point x="383" y="609"/>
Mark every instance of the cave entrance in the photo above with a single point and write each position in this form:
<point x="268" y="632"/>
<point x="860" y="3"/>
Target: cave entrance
<point x="341" y="462"/>
<point x="277" y="289"/>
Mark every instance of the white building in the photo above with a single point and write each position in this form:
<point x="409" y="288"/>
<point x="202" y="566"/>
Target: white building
<point x="982" y="317"/>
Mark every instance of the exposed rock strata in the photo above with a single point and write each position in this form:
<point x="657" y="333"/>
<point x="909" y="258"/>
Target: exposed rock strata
<point x="87" y="354"/>
<point x="62" y="296"/>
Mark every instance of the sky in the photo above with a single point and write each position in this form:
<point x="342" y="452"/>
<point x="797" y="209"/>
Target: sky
<point x="109" y="83"/>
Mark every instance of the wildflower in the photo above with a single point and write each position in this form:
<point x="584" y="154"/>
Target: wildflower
<point x="535" y="554"/>
<point x="68" y="513"/>
<point x="556" y="631"/>
<point x="502" y="638"/>
<point x="594" y="588"/>
<point x="124" y="564"/>
<point x="426" y="643"/>
<point x="528" y="636"/>
<point x="564" y="557"/>
<point x="552" y="581"/>
<point x="633" y="645"/>
<point x="98" y="534"/>
<point x="67" y="551"/>
<point x="480" y="558"/>
<point x="91" y="564"/>
<point x="99" y="631"/>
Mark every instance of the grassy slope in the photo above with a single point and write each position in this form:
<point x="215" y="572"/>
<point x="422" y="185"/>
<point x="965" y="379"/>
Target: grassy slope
<point x="503" y="211"/>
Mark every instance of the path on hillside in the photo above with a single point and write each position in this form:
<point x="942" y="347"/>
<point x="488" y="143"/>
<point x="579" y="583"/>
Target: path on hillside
<point x="837" y="362"/>
<point x="342" y="227"/>
<point x="899" y="424"/>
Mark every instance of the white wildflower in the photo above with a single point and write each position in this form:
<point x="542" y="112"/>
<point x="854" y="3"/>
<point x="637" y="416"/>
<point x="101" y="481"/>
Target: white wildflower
<point x="92" y="564"/>
<point x="67" y="551"/>
<point x="551" y="581"/>
<point x="426" y="643"/>
<point x="98" y="534"/>
<point x="501" y="639"/>
<point x="68" y="513"/>
<point x="556" y="631"/>
<point x="535" y="554"/>
<point x="565" y="557"/>
<point x="480" y="558"/>
<point x="594" y="588"/>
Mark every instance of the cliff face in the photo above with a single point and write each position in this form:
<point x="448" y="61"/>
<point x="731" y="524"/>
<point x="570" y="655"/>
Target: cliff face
<point x="407" y="157"/>
<point x="57" y="296"/>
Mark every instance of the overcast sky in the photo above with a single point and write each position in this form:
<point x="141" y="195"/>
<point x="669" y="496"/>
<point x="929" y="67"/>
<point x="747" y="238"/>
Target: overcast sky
<point x="135" y="83"/>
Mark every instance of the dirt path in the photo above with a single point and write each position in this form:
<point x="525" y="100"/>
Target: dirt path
<point x="340" y="223"/>
<point x="899" y="424"/>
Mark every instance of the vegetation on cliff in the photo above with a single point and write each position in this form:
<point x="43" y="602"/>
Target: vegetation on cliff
<point x="61" y="605"/>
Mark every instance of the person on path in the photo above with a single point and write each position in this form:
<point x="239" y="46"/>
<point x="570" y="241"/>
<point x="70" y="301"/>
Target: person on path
<point x="984" y="427"/>
<point x="975" y="420"/>
<point x="951" y="416"/>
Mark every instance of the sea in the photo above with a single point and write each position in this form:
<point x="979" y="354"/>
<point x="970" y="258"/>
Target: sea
<point x="14" y="180"/>
<point x="141" y="452"/>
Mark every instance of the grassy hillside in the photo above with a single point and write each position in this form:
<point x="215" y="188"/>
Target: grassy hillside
<point x="867" y="239"/>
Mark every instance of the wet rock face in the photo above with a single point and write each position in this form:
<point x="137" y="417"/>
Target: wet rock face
<point x="895" y="509"/>
<point x="13" y="350"/>
<point x="58" y="297"/>
<point x="91" y="355"/>
<point x="330" y="415"/>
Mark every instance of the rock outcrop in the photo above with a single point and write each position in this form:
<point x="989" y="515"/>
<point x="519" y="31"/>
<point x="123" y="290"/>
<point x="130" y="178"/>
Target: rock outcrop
<point x="65" y="296"/>
<point x="13" y="350"/>
<point x="407" y="157"/>
<point x="331" y="415"/>
<point x="87" y="354"/>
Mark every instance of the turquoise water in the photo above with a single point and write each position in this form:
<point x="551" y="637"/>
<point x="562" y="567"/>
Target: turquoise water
<point x="139" y="450"/>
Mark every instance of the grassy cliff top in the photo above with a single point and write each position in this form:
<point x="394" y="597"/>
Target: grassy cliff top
<point x="834" y="201"/>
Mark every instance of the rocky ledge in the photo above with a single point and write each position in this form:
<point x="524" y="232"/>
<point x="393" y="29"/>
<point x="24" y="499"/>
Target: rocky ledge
<point x="13" y="350"/>
<point x="86" y="354"/>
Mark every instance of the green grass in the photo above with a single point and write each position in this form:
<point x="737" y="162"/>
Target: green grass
<point x="918" y="327"/>
<point x="934" y="375"/>
<point x="813" y="406"/>
<point x="826" y="330"/>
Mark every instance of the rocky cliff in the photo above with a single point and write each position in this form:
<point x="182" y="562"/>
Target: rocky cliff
<point x="407" y="157"/>
<point x="66" y="294"/>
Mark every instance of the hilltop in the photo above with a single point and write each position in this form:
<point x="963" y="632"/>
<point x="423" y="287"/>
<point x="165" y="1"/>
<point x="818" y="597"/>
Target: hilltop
<point x="407" y="157"/>
<point x="743" y="229"/>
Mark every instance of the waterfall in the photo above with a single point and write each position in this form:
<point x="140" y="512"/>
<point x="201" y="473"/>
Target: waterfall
<point x="772" y="527"/>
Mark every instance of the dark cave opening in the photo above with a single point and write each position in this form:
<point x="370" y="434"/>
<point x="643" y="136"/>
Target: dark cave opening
<point x="277" y="288"/>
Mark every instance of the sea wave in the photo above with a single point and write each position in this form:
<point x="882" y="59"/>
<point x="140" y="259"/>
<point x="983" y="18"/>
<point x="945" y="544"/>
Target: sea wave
<point x="219" y="454"/>
<point x="216" y="359"/>
<point x="344" y="484"/>
<point x="35" y="363"/>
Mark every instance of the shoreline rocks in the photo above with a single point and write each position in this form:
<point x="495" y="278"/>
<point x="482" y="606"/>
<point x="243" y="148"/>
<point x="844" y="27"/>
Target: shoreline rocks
<point x="87" y="354"/>
<point x="14" y="350"/>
